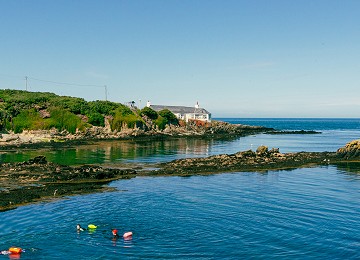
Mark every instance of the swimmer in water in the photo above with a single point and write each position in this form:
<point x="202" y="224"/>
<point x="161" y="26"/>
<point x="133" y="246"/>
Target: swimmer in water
<point x="115" y="234"/>
<point x="79" y="228"/>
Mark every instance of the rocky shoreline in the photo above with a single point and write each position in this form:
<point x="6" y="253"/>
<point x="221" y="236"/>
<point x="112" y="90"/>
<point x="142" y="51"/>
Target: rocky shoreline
<point x="38" y="179"/>
<point x="54" y="137"/>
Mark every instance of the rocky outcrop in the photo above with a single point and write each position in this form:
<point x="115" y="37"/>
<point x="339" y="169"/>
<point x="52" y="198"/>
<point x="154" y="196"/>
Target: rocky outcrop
<point x="295" y="132"/>
<point x="262" y="159"/>
<point x="215" y="129"/>
<point x="40" y="170"/>
<point x="350" y="151"/>
<point x="37" y="178"/>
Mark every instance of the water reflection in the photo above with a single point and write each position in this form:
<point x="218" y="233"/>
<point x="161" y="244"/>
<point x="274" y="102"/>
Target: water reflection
<point x="349" y="167"/>
<point x="139" y="152"/>
<point x="120" y="152"/>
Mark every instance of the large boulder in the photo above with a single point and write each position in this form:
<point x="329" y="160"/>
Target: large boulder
<point x="262" y="150"/>
<point x="350" y="150"/>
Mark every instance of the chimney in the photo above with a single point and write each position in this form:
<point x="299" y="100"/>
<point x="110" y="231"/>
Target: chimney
<point x="197" y="104"/>
<point x="148" y="104"/>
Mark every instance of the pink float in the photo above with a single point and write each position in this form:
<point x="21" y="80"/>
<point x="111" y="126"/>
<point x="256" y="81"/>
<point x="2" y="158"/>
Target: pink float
<point x="127" y="235"/>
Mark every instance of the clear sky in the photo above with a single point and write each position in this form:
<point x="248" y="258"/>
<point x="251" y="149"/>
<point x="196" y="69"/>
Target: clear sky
<point x="254" y="58"/>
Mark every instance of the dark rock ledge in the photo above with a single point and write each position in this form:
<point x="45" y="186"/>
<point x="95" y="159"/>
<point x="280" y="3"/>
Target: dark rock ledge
<point x="37" y="179"/>
<point x="262" y="159"/>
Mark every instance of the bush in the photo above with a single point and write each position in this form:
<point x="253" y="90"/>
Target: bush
<point x="103" y="107"/>
<point x="161" y="122"/>
<point x="149" y="112"/>
<point x="74" y="105"/>
<point x="3" y="119"/>
<point x="28" y="120"/>
<point x="64" y="120"/>
<point x="169" y="116"/>
<point x="96" y="119"/>
<point x="125" y="117"/>
<point x="123" y="110"/>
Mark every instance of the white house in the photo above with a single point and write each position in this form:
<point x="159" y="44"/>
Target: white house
<point x="185" y="113"/>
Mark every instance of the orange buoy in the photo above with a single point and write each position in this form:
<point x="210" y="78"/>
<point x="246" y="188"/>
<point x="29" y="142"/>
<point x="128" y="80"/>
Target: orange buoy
<point x="15" y="250"/>
<point x="128" y="235"/>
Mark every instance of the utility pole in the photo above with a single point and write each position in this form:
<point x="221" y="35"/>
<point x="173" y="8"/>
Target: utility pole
<point x="105" y="92"/>
<point x="26" y="79"/>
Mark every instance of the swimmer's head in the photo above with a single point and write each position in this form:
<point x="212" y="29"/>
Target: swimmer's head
<point x="114" y="232"/>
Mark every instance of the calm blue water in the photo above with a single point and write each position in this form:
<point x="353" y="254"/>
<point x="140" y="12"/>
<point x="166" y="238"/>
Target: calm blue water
<point x="317" y="124"/>
<point x="310" y="213"/>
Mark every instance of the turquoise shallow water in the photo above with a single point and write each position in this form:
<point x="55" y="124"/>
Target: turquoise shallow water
<point x="310" y="213"/>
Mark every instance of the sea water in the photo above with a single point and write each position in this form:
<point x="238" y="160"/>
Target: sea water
<point x="307" y="213"/>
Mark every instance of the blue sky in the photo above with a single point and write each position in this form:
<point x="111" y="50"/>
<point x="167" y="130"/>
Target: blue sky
<point x="255" y="58"/>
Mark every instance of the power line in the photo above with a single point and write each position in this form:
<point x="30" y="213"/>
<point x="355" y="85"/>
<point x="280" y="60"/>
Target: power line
<point x="66" y="83"/>
<point x="27" y="78"/>
<point x="51" y="81"/>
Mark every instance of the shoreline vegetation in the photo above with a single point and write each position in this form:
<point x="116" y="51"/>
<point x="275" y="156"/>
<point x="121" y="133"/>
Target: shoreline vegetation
<point x="46" y="119"/>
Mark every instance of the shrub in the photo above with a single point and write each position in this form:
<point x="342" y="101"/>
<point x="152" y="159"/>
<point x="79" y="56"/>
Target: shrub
<point x="149" y="112"/>
<point x="74" y="105"/>
<point x="161" y="122"/>
<point x="123" y="110"/>
<point x="169" y="116"/>
<point x="103" y="107"/>
<point x="96" y="119"/>
<point x="64" y="120"/>
<point x="28" y="120"/>
<point x="124" y="116"/>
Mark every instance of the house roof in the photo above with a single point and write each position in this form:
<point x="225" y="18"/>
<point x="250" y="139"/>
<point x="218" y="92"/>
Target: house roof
<point x="180" y="109"/>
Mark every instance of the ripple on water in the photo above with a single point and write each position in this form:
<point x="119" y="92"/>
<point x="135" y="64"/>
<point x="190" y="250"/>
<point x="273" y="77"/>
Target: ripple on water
<point x="285" y="214"/>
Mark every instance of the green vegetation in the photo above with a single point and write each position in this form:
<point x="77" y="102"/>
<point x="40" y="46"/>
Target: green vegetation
<point x="64" y="120"/>
<point x="161" y="122"/>
<point x="124" y="117"/>
<point x="24" y="110"/>
<point x="149" y="112"/>
<point x="27" y="119"/>
<point x="169" y="116"/>
<point x="166" y="117"/>
<point x="161" y="119"/>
